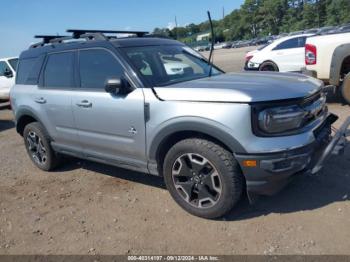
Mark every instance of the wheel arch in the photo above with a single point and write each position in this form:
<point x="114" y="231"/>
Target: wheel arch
<point x="270" y="61"/>
<point x="340" y="57"/>
<point x="23" y="118"/>
<point x="171" y="134"/>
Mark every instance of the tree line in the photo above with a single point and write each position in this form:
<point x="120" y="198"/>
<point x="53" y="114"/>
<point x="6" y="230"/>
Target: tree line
<point x="256" y="18"/>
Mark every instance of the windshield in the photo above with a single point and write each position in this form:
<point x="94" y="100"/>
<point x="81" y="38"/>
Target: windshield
<point x="166" y="65"/>
<point x="13" y="63"/>
<point x="262" y="47"/>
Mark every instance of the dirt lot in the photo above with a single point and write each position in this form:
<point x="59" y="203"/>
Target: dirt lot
<point x="88" y="208"/>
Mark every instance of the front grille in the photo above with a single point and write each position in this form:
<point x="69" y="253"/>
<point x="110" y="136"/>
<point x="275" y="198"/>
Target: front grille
<point x="311" y="99"/>
<point x="315" y="107"/>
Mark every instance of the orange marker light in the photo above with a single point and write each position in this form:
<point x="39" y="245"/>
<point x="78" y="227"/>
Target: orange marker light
<point x="250" y="163"/>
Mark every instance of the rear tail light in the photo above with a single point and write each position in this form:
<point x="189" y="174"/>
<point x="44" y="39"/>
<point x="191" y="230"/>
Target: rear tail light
<point x="310" y="54"/>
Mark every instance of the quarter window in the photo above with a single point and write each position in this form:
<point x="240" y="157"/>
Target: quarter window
<point x="28" y="70"/>
<point x="96" y="67"/>
<point x="59" y="70"/>
<point x="291" y="43"/>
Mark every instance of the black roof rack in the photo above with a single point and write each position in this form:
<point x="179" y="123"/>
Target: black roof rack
<point x="77" y="33"/>
<point x="48" y="38"/>
<point x="86" y="34"/>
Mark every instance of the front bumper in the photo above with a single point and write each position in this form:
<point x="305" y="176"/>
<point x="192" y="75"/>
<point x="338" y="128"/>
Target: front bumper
<point x="4" y="94"/>
<point x="275" y="170"/>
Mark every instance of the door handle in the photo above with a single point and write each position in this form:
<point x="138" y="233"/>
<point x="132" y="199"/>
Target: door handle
<point x="40" y="100"/>
<point x="84" y="103"/>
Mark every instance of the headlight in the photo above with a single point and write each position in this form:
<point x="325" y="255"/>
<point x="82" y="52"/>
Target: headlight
<point x="281" y="119"/>
<point x="252" y="65"/>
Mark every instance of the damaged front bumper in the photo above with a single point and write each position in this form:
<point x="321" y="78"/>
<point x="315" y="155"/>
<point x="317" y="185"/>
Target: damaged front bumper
<point x="274" y="170"/>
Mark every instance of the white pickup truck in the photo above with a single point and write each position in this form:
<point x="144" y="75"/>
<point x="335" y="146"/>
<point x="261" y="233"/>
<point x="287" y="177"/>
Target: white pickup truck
<point x="327" y="57"/>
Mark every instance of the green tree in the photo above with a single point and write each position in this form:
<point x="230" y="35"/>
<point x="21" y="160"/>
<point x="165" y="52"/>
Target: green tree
<point x="268" y="17"/>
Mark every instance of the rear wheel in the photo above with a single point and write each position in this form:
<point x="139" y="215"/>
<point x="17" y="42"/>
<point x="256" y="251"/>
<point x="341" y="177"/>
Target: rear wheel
<point x="203" y="177"/>
<point x="345" y="89"/>
<point x="268" y="66"/>
<point x="38" y="147"/>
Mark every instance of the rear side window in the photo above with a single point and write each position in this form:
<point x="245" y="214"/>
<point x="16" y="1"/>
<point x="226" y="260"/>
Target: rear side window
<point x="291" y="43"/>
<point x="59" y="70"/>
<point x="28" y="70"/>
<point x="96" y="67"/>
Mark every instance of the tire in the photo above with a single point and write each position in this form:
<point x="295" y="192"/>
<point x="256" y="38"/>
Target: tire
<point x="198" y="168"/>
<point x="268" y="66"/>
<point x="37" y="143"/>
<point x="345" y="89"/>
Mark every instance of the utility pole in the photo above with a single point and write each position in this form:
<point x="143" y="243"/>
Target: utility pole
<point x="223" y="12"/>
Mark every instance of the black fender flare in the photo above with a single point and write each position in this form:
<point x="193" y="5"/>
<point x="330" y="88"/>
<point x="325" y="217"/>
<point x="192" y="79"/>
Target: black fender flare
<point x="339" y="54"/>
<point x="193" y="126"/>
<point x="22" y="113"/>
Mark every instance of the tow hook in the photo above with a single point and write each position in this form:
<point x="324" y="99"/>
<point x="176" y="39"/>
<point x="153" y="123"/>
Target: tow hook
<point x="336" y="146"/>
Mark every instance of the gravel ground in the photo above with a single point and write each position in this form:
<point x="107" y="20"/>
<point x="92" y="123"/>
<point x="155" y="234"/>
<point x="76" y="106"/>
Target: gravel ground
<point x="89" y="208"/>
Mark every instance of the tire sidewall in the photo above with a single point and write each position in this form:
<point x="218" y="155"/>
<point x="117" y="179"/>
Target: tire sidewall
<point x="226" y="201"/>
<point x="267" y="64"/>
<point x="345" y="89"/>
<point x="39" y="130"/>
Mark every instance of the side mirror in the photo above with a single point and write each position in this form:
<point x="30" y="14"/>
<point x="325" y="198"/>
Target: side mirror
<point x="8" y="73"/>
<point x="117" y="85"/>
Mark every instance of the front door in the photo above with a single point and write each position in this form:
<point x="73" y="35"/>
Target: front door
<point x="289" y="55"/>
<point x="111" y="127"/>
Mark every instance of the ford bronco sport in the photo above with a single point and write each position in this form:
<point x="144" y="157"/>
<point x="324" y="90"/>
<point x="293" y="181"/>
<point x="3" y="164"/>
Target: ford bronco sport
<point x="156" y="106"/>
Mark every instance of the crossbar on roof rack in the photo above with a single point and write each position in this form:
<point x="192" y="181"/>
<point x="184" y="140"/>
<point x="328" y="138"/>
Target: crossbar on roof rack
<point x="78" y="32"/>
<point x="82" y="33"/>
<point x="47" y="38"/>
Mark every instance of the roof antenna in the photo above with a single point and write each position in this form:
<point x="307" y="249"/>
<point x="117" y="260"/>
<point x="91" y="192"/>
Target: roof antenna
<point x="212" y="44"/>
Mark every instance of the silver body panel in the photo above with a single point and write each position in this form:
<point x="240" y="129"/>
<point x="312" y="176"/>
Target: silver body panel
<point x="117" y="129"/>
<point x="242" y="87"/>
<point x="231" y="118"/>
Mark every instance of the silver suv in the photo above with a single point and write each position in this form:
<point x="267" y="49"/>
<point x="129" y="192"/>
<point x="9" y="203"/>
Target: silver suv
<point x="156" y="106"/>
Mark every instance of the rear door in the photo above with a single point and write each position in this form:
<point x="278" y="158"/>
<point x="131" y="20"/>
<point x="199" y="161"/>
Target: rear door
<point x="54" y="96"/>
<point x="111" y="127"/>
<point x="289" y="55"/>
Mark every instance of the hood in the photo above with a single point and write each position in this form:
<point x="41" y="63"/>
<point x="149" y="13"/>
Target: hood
<point x="242" y="87"/>
<point x="250" y="53"/>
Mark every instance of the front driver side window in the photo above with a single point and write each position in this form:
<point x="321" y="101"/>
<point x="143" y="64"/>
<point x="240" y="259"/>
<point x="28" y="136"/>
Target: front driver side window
<point x="96" y="67"/>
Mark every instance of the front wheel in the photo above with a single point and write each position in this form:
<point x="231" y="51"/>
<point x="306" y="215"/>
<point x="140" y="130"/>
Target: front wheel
<point x="203" y="177"/>
<point x="268" y="66"/>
